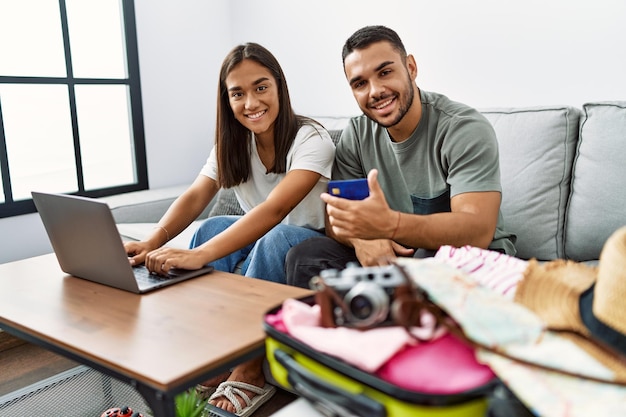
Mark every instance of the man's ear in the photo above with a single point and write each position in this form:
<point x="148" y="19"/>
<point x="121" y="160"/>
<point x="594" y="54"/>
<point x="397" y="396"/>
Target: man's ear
<point x="411" y="66"/>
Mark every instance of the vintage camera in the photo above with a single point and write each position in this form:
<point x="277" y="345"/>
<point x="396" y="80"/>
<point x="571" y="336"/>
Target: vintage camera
<point x="356" y="296"/>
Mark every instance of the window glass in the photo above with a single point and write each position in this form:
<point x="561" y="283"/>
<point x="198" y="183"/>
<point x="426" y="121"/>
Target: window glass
<point x="31" y="39"/>
<point x="70" y="105"/>
<point x="39" y="140"/>
<point x="96" y="38"/>
<point x="105" y="135"/>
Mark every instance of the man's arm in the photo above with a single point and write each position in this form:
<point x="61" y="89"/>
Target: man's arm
<point x="472" y="220"/>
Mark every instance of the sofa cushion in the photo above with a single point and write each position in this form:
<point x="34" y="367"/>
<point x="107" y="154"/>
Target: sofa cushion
<point x="333" y="123"/>
<point x="598" y="202"/>
<point x="141" y="231"/>
<point x="335" y="135"/>
<point x="536" y="147"/>
<point x="146" y="205"/>
<point x="226" y="204"/>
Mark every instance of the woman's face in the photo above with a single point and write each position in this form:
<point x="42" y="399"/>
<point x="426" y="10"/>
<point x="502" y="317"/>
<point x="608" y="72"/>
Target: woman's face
<point x="253" y="96"/>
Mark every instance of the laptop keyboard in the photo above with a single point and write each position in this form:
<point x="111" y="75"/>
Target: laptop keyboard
<point x="144" y="276"/>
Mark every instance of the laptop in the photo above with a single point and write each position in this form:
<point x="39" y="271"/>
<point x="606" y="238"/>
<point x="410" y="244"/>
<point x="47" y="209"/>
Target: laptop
<point x="88" y="245"/>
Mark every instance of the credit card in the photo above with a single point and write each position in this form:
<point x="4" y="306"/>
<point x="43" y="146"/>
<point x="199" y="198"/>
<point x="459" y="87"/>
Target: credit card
<point x="356" y="189"/>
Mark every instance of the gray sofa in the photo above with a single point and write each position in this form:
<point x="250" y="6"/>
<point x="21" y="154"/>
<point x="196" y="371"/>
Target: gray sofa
<point x="563" y="178"/>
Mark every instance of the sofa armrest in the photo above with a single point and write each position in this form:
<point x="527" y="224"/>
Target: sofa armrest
<point x="140" y="231"/>
<point x="137" y="213"/>
<point x="146" y="206"/>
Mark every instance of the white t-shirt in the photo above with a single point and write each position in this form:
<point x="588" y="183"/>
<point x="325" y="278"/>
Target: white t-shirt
<point x="312" y="150"/>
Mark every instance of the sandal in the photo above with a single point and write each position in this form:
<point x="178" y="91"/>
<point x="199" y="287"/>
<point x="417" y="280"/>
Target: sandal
<point x="231" y="389"/>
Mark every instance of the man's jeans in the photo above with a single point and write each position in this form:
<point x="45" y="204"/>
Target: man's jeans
<point x="264" y="258"/>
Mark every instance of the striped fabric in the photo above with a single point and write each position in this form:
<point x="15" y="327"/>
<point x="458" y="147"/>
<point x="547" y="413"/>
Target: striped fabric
<point x="491" y="269"/>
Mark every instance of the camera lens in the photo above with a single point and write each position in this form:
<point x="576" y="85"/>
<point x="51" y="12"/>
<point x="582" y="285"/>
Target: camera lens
<point x="360" y="307"/>
<point x="368" y="304"/>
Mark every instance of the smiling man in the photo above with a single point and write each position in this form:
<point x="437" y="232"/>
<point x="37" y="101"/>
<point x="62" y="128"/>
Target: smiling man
<point x="432" y="167"/>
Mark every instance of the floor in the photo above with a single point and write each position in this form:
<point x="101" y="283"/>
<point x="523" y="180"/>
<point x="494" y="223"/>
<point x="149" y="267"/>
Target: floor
<point x="23" y="364"/>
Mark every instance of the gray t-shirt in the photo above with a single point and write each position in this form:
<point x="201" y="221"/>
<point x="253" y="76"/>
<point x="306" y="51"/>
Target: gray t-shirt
<point x="452" y="151"/>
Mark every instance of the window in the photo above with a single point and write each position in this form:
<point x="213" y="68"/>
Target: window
<point x="70" y="100"/>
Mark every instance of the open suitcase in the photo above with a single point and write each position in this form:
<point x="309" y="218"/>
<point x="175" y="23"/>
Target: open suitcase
<point x="337" y="388"/>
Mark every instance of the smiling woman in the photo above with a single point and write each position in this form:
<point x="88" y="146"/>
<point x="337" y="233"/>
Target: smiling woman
<point x="70" y="111"/>
<point x="277" y="163"/>
<point x="253" y="97"/>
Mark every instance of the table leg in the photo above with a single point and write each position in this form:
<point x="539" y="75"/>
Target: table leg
<point x="161" y="404"/>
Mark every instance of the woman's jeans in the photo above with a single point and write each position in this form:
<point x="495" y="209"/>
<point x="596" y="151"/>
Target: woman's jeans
<point x="265" y="258"/>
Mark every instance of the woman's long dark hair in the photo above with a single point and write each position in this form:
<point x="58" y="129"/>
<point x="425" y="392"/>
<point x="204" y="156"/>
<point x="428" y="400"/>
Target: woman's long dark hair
<point x="232" y="139"/>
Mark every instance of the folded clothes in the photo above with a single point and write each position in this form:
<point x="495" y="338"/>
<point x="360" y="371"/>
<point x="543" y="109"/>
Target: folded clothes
<point x="437" y="364"/>
<point x="391" y="352"/>
<point x="367" y="350"/>
<point x="494" y="270"/>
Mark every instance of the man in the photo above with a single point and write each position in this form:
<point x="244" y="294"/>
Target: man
<point x="431" y="163"/>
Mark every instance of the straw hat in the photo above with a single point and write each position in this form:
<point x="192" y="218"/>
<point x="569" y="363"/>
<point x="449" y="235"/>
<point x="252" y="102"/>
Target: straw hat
<point x="589" y="303"/>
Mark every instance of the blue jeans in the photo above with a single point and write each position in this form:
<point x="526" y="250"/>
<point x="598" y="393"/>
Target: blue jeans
<point x="265" y="258"/>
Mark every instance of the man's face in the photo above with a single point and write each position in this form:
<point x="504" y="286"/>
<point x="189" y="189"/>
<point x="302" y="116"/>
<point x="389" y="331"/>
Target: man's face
<point x="381" y="82"/>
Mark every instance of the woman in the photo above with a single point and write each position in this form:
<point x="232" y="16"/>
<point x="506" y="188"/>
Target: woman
<point x="278" y="163"/>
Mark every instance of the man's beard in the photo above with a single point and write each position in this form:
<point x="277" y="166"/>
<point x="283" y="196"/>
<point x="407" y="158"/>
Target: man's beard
<point x="403" y="110"/>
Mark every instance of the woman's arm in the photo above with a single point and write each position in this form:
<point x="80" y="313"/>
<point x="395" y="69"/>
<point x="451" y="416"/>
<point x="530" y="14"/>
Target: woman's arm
<point x="253" y="225"/>
<point x="258" y="221"/>
<point x="184" y="210"/>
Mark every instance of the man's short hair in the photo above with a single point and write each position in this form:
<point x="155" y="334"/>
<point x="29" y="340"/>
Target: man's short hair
<point x="368" y="35"/>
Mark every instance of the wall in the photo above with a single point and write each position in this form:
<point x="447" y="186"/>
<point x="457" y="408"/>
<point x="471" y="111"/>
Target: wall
<point x="181" y="47"/>
<point x="486" y="53"/>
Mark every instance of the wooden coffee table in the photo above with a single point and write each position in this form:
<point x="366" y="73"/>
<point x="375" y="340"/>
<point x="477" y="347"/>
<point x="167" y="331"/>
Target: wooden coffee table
<point x="161" y="342"/>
